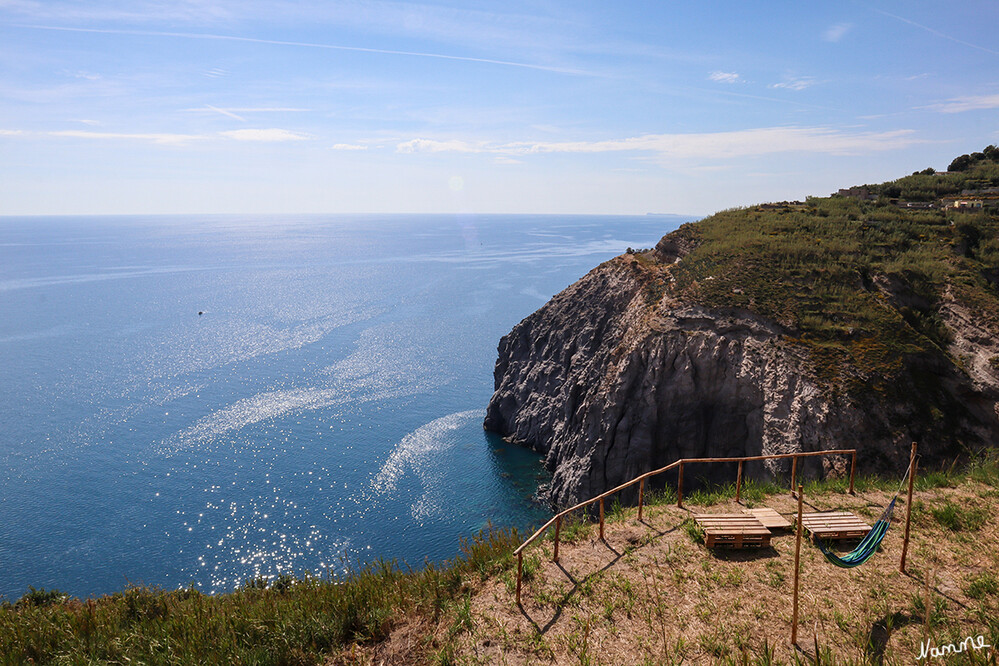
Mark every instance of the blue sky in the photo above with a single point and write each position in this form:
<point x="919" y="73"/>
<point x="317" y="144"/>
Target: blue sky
<point x="265" y="106"/>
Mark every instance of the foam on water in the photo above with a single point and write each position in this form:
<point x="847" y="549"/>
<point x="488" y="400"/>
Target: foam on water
<point x="417" y="453"/>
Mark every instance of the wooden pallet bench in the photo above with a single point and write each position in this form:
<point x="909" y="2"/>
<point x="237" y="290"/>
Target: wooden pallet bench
<point x="734" y="530"/>
<point x="834" y="525"/>
<point x="770" y="518"/>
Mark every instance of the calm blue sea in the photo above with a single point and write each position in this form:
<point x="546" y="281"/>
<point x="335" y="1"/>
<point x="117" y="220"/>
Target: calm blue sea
<point x="324" y="410"/>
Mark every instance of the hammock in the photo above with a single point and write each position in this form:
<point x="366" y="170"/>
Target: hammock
<point x="869" y="545"/>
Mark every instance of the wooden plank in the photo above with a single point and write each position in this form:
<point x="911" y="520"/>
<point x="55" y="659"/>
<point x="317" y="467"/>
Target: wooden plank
<point x="733" y="530"/>
<point x="737" y="540"/>
<point x="834" y="525"/>
<point x="769" y="518"/>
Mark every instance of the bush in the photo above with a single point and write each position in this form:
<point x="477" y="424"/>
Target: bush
<point x="40" y="598"/>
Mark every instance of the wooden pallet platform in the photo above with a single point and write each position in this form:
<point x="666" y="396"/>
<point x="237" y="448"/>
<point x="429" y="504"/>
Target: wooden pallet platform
<point x="834" y="525"/>
<point x="734" y="530"/>
<point x="770" y="518"/>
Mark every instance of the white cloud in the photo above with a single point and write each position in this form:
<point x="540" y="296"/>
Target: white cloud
<point x="712" y="145"/>
<point x="4" y="132"/>
<point x="348" y="146"/>
<point x="723" y="77"/>
<point x="262" y="135"/>
<point x="87" y="76"/>
<point x="798" y="83"/>
<point x="155" y="138"/>
<point x="970" y="103"/>
<point x="266" y="135"/>
<point x="450" y="146"/>
<point x="836" y="32"/>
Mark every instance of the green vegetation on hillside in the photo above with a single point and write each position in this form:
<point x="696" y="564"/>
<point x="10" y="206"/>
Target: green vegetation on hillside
<point x="859" y="282"/>
<point x="286" y="622"/>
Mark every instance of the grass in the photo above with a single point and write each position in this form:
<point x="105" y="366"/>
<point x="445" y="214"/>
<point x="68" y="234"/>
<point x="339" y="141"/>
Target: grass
<point x="295" y="622"/>
<point x="303" y="621"/>
<point x="982" y="585"/>
<point x="959" y="518"/>
<point x="669" y="600"/>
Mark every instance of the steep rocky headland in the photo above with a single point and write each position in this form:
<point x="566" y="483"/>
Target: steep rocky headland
<point x="867" y="320"/>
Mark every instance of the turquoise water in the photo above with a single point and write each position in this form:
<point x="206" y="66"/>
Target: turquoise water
<point x="324" y="409"/>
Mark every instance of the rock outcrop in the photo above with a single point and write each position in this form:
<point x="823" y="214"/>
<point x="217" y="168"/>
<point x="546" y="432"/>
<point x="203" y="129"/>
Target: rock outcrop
<point x="620" y="374"/>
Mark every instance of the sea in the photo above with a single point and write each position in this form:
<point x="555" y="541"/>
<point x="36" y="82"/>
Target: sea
<point x="210" y="400"/>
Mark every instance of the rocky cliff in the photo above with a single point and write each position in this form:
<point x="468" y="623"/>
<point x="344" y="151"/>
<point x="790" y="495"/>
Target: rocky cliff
<point x="734" y="337"/>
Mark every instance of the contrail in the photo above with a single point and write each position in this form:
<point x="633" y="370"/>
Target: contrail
<point x="311" y="45"/>
<point x="224" y="112"/>
<point x="935" y="32"/>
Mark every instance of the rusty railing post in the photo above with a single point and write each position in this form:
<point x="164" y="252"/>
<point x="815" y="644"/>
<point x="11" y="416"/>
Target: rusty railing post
<point x="679" y="487"/>
<point x="520" y="571"/>
<point x="794" y="473"/>
<point x="601" y="518"/>
<point x="641" y="498"/>
<point x="797" y="560"/>
<point x="853" y="471"/>
<point x="558" y="530"/>
<point x="738" y="485"/>
<point x="908" y="507"/>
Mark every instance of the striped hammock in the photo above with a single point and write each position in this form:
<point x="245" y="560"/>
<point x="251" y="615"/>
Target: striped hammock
<point x="867" y="547"/>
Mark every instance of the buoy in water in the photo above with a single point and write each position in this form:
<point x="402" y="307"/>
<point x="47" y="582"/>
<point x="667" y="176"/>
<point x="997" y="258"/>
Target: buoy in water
<point x="200" y="312"/>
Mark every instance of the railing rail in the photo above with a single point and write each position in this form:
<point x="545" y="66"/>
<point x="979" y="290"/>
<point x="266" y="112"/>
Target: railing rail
<point x="556" y="520"/>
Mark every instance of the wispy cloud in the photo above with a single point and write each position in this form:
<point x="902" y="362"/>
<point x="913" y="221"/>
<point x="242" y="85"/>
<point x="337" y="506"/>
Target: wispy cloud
<point x="935" y="32"/>
<point x="266" y="135"/>
<point x="449" y="146"/>
<point x="192" y="11"/>
<point x="836" y="32"/>
<point x="244" y="109"/>
<point x="225" y="112"/>
<point x="4" y="132"/>
<point x="348" y="146"/>
<point x="312" y="45"/>
<point x="723" y="77"/>
<point x="970" y="103"/>
<point x="266" y="109"/>
<point x="259" y="135"/>
<point x="787" y="101"/>
<point x="118" y="136"/>
<point x="795" y="83"/>
<point x="712" y="145"/>
<point x="86" y="76"/>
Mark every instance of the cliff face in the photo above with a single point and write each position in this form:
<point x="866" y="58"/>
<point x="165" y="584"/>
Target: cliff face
<point x="623" y="372"/>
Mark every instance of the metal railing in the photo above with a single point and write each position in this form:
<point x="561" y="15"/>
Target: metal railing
<point x="556" y="520"/>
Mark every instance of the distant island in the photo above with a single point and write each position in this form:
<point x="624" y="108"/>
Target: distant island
<point x="867" y="319"/>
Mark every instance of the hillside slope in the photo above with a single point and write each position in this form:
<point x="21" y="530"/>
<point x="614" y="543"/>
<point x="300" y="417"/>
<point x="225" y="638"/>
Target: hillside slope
<point x="863" y="321"/>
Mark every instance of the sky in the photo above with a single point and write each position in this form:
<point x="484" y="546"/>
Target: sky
<point x="549" y="106"/>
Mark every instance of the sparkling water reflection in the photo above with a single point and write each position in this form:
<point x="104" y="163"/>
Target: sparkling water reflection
<point x="323" y="409"/>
